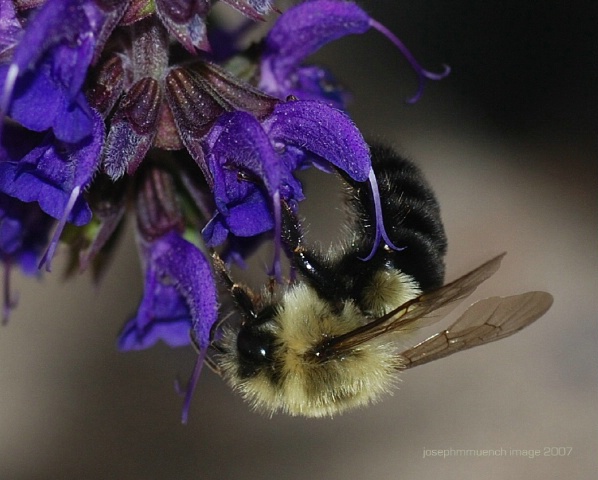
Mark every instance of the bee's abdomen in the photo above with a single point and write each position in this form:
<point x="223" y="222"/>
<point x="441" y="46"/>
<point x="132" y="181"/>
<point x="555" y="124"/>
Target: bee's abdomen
<point x="411" y="219"/>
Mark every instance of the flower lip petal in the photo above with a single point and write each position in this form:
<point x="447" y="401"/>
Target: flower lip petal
<point x="58" y="44"/>
<point x="162" y="315"/>
<point x="52" y="170"/>
<point x="242" y="143"/>
<point x="304" y="29"/>
<point x="191" y="273"/>
<point x="324" y="131"/>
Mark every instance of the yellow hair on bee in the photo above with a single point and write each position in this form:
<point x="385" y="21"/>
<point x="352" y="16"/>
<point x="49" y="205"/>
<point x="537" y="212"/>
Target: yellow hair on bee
<point x="388" y="289"/>
<point x="297" y="382"/>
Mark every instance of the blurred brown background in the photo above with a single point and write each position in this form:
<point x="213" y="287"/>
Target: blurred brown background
<point x="509" y="141"/>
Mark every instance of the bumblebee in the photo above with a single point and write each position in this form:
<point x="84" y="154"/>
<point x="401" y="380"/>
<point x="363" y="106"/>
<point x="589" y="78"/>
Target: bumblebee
<point x="331" y="341"/>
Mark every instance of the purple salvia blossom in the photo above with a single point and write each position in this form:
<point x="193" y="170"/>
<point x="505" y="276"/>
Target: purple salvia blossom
<point x="54" y="174"/>
<point x="296" y="134"/>
<point x="163" y="315"/>
<point x="306" y="28"/>
<point x="179" y="304"/>
<point x="179" y="296"/>
<point x="191" y="273"/>
<point x="49" y="66"/>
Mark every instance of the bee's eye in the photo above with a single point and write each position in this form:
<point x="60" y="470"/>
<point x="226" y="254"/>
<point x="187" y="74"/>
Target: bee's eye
<point x="254" y="347"/>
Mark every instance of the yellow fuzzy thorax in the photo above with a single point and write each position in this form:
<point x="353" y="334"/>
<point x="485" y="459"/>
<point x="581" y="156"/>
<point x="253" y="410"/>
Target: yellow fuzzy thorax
<point x="306" y="385"/>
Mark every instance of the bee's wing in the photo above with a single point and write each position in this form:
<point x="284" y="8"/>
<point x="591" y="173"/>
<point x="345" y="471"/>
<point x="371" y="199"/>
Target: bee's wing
<point x="485" y="321"/>
<point x="422" y="311"/>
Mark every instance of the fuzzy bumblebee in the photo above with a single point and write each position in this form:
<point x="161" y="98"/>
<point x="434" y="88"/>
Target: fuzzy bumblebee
<point x="330" y="341"/>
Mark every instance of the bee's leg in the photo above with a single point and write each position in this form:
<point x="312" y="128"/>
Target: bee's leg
<point x="315" y="269"/>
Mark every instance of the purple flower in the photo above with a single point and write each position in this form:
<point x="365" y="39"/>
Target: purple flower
<point x="179" y="297"/>
<point x="163" y="315"/>
<point x="49" y="66"/>
<point x="299" y="33"/>
<point x="253" y="164"/>
<point x="54" y="174"/>
<point x="52" y="170"/>
<point x="302" y="31"/>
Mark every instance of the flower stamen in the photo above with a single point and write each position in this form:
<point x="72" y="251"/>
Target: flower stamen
<point x="421" y="72"/>
<point x="380" y="230"/>
<point x="51" y="250"/>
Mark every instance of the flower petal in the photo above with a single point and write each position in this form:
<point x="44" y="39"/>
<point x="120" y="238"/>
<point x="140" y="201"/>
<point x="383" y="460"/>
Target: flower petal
<point x="51" y="171"/>
<point x="191" y="273"/>
<point x="304" y="29"/>
<point x="324" y="131"/>
<point x="163" y="315"/>
<point x="58" y="44"/>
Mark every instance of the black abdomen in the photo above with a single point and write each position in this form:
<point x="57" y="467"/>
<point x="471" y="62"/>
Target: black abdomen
<point x="411" y="219"/>
<point x="412" y="222"/>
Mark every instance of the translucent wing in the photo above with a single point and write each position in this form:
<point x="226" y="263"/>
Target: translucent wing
<point x="422" y="311"/>
<point x="484" y="322"/>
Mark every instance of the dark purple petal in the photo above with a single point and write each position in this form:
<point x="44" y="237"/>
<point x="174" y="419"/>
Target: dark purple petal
<point x="252" y="217"/>
<point x="247" y="219"/>
<point x="50" y="172"/>
<point x="242" y="145"/>
<point x="190" y="271"/>
<point x="74" y="121"/>
<point x="24" y="231"/>
<point x="58" y="23"/>
<point x="163" y="315"/>
<point x="58" y="44"/>
<point x="174" y="332"/>
<point x="35" y="90"/>
<point x="215" y="232"/>
<point x="324" y="131"/>
<point x="71" y="118"/>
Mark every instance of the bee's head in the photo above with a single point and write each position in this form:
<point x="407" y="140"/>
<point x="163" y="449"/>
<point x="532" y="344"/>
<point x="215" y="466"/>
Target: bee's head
<point x="255" y="344"/>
